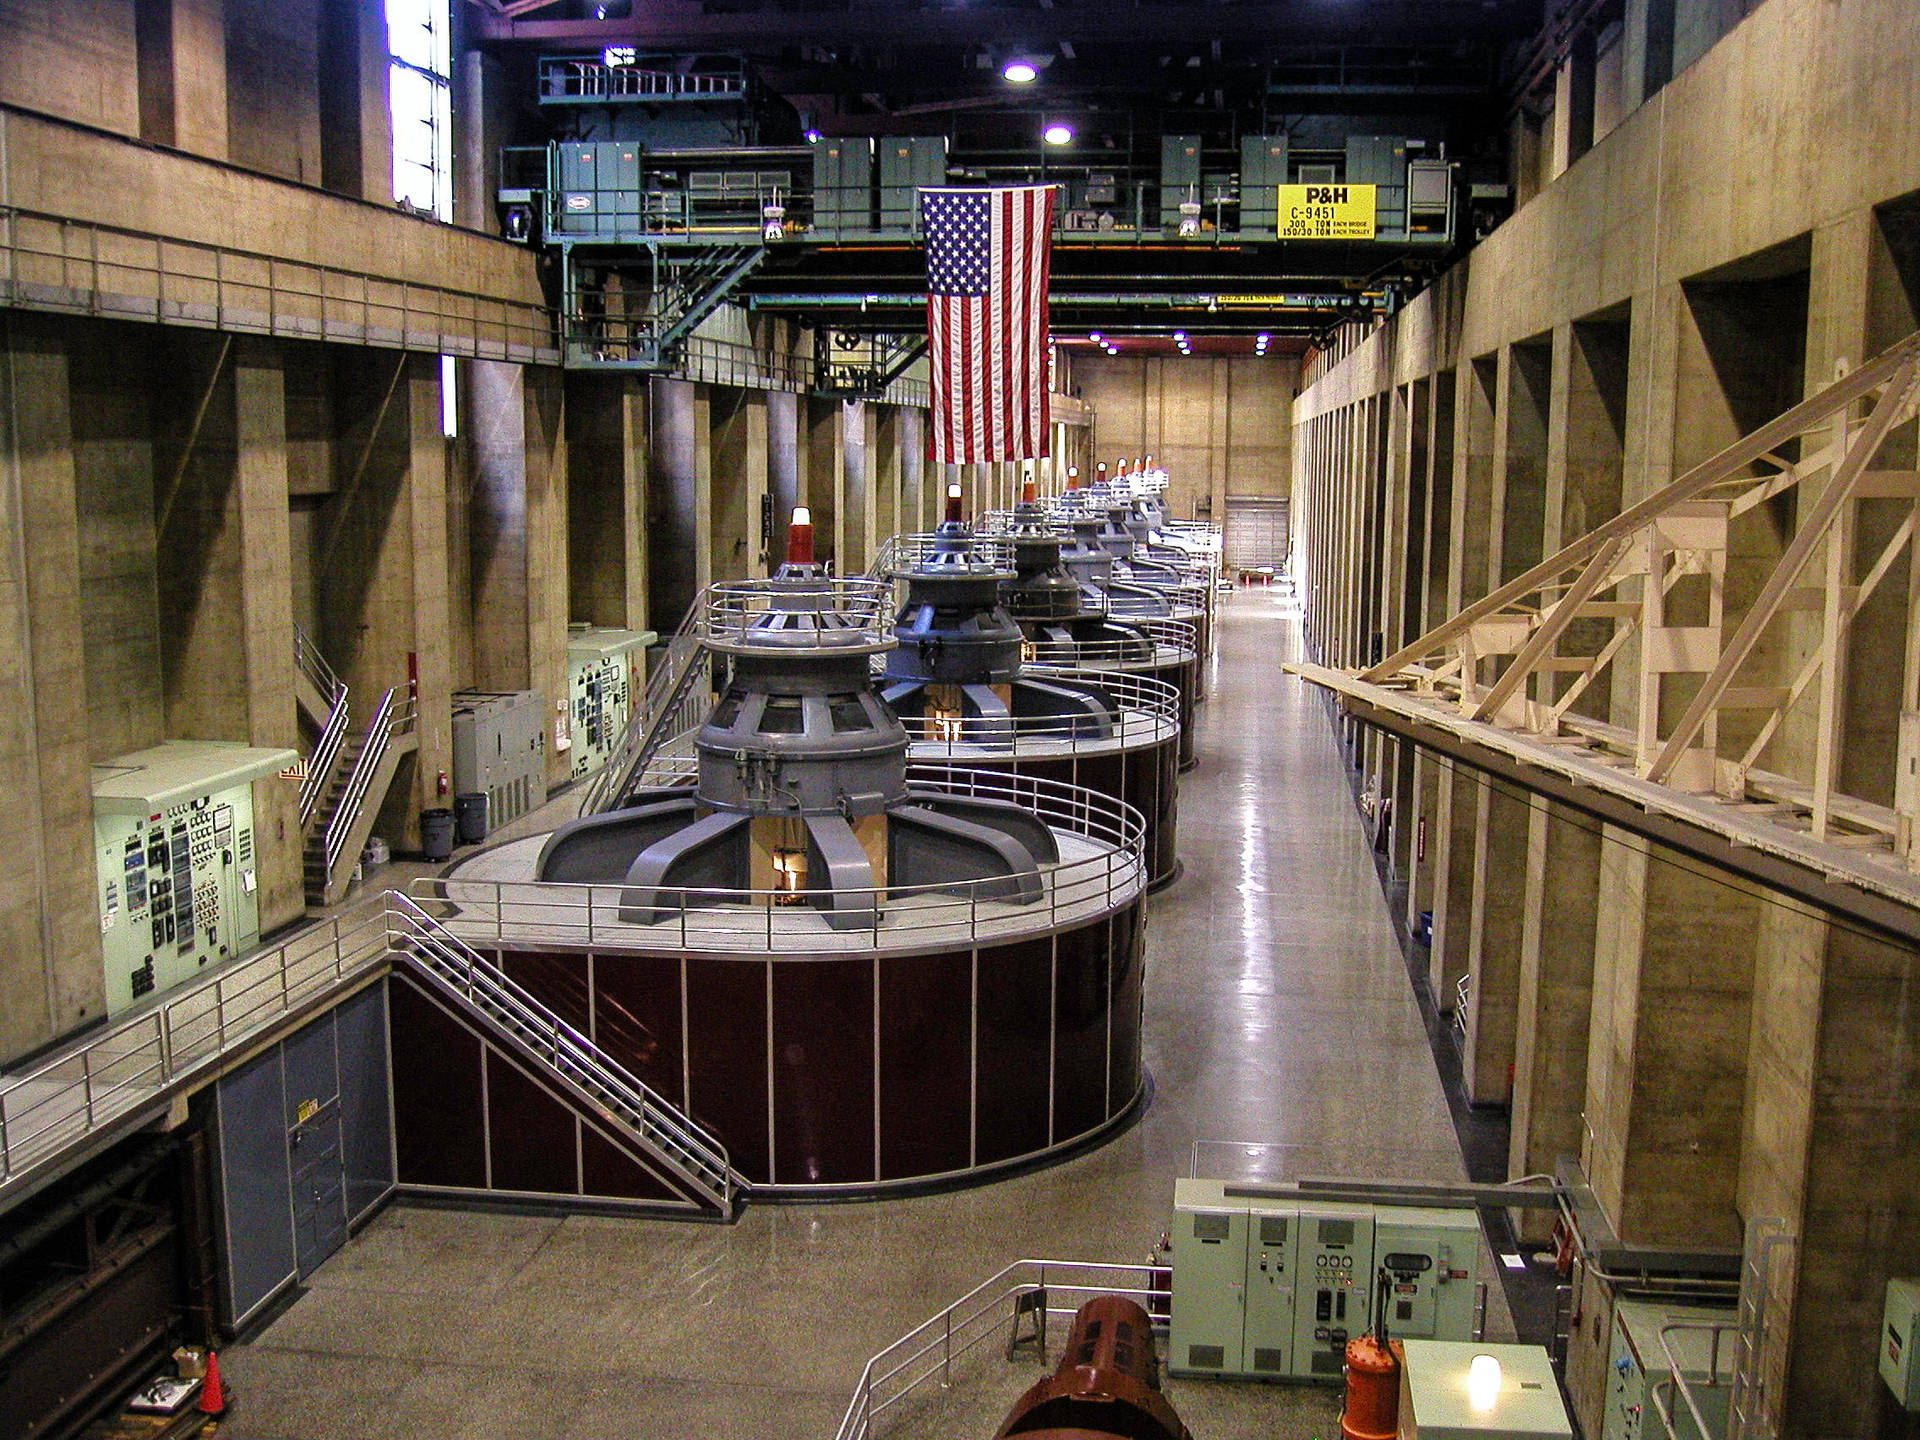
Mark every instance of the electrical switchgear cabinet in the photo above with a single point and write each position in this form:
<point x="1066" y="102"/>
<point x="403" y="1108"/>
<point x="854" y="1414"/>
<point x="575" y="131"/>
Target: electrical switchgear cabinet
<point x="605" y="668"/>
<point x="1639" y="1365"/>
<point x="499" y="750"/>
<point x="177" y="874"/>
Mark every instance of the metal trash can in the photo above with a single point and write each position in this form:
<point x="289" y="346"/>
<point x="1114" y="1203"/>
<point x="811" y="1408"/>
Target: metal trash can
<point x="436" y="834"/>
<point x="470" y="817"/>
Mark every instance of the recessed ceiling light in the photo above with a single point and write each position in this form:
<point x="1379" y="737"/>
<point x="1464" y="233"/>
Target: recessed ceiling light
<point x="1179" y="335"/>
<point x="1020" y="72"/>
<point x="813" y="137"/>
<point x="1097" y="337"/>
<point x="1057" y="134"/>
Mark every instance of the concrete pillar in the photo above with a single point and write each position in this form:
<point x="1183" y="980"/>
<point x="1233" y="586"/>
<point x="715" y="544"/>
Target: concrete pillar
<point x="1455" y="835"/>
<point x="738" y="466"/>
<point x="1554" y="997"/>
<point x="225" y="593"/>
<point x="825" y="476"/>
<point x="786" y="450"/>
<point x="50" y="967"/>
<point x="885" y="465"/>
<point x="855" y="514"/>
<point x="381" y="570"/>
<point x="1487" y="1051"/>
<point x="518" y="536"/>
<point x="1673" y="979"/>
<point x="607" y="449"/>
<point x="356" y="124"/>
<point x="914" y="480"/>
<point x="673" y="507"/>
<point x="181" y="48"/>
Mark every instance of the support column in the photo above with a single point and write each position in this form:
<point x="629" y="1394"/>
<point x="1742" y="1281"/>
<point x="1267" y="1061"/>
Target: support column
<point x="606" y="418"/>
<point x="50" y="965"/>
<point x="520" y="593"/>
<point x="1560" y="909"/>
<point x="430" y="597"/>
<point x="1673" y="979"/>
<point x="825" y="477"/>
<point x="786" y="453"/>
<point x="1487" y="1051"/>
<point x="855" y="515"/>
<point x="913" y="468"/>
<point x="673" y="507"/>
<point x="1457" y="811"/>
<point x="886" y="469"/>
<point x="181" y="47"/>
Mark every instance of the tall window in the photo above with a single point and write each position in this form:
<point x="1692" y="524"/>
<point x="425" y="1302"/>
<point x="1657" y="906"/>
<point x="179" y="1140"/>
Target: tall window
<point x="420" y="92"/>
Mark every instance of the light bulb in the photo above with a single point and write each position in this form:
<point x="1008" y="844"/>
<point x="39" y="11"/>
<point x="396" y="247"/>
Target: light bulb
<point x="1483" y="1382"/>
<point x="1020" y="72"/>
<point x="1057" y="135"/>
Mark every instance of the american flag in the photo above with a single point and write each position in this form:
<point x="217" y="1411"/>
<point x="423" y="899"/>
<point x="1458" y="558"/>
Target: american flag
<point x="987" y="321"/>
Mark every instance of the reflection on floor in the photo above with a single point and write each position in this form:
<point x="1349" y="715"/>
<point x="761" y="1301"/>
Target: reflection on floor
<point x="1279" y="1017"/>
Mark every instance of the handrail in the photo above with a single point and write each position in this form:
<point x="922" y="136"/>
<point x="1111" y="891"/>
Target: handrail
<point x="313" y="665"/>
<point x="668" y="680"/>
<point x="389" y="720"/>
<point x="206" y="285"/>
<point x="1108" y="872"/>
<point x="688" y="1144"/>
<point x="1171" y="642"/>
<point x="115" y="1072"/>
<point x="927" y="1352"/>
<point x="1145" y="705"/>
<point x="326" y="751"/>
<point x="1661" y="1394"/>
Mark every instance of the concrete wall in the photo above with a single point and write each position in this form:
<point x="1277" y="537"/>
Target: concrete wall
<point x="1698" y="1041"/>
<point x="1219" y="426"/>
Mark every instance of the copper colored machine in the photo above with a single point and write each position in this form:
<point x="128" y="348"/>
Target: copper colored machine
<point x="1106" y="1387"/>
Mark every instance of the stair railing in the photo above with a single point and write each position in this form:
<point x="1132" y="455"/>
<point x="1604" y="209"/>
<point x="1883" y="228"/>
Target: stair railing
<point x="313" y="665"/>
<point x="395" y="716"/>
<point x="652" y="721"/>
<point x="693" y="1152"/>
<point x="326" y="753"/>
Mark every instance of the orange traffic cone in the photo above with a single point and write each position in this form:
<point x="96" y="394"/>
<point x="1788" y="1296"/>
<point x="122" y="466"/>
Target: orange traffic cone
<point x="213" y="1396"/>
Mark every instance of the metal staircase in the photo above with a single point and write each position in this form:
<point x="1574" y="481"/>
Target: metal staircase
<point x="688" y="1156"/>
<point x="629" y="308"/>
<point x="72" y="1103"/>
<point x="343" y="813"/>
<point x="674" y="703"/>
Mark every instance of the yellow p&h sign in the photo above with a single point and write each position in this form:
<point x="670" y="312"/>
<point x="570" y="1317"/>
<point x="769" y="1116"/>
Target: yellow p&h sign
<point x="1326" y="212"/>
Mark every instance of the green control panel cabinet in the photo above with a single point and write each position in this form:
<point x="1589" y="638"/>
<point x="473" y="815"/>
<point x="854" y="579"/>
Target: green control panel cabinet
<point x="1273" y="1286"/>
<point x="177" y="875"/>
<point x="606" y="671"/>
<point x="1638" y="1366"/>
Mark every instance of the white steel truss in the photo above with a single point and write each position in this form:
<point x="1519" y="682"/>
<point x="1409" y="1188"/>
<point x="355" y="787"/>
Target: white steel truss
<point x="1722" y="673"/>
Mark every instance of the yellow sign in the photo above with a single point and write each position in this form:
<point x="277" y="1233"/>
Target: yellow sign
<point x="1326" y="212"/>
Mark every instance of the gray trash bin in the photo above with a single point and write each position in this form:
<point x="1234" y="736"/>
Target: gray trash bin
<point x="436" y="834"/>
<point x="470" y="817"/>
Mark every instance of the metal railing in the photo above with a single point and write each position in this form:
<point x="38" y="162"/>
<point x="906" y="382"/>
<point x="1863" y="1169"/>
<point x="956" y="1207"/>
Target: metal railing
<point x="1168" y="642"/>
<point x="832" y="614"/>
<point x="392" y="718"/>
<point x="115" y="1073"/>
<point x="312" y="664"/>
<point x="1146" y="710"/>
<point x="1660" y="1395"/>
<point x="901" y="553"/>
<point x="56" y="263"/>
<point x="694" y="1152"/>
<point x="926" y="1354"/>
<point x="326" y="753"/>
<point x="756" y="923"/>
<point x="672" y="692"/>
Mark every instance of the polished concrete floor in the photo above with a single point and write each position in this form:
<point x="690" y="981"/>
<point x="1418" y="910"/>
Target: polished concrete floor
<point x="1283" y="1041"/>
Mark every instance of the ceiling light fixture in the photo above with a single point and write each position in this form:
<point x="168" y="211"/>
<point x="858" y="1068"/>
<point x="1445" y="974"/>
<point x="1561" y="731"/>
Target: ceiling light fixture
<point x="1057" y="134"/>
<point x="1020" y="72"/>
